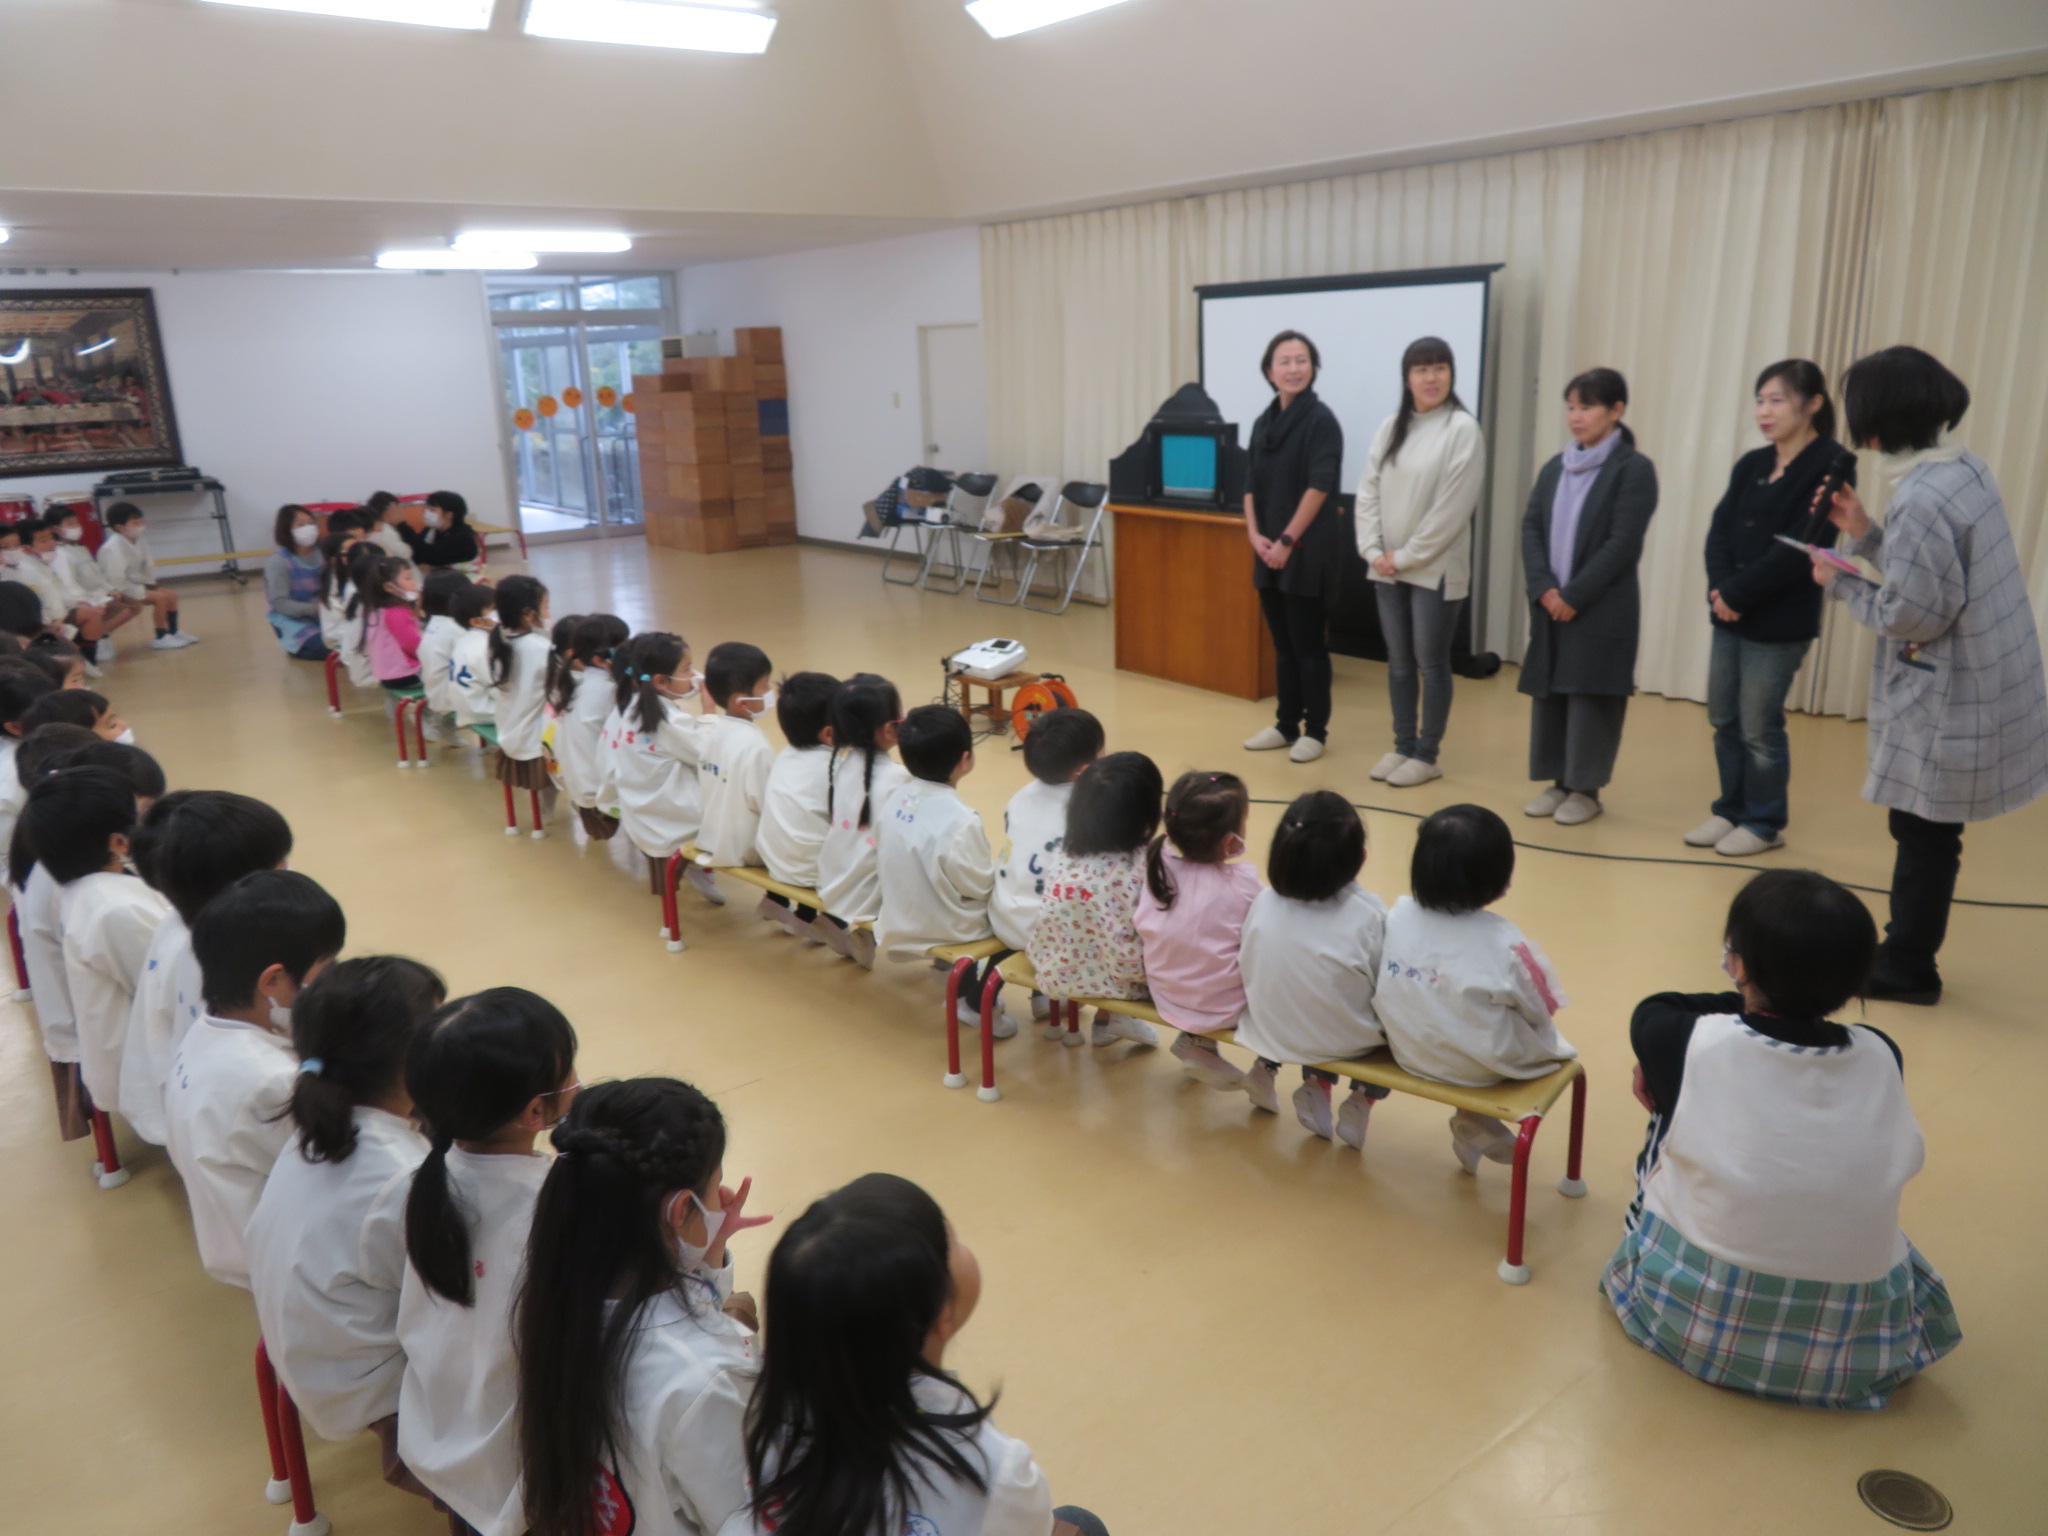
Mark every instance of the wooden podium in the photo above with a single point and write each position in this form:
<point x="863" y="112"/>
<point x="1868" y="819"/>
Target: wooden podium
<point x="1186" y="609"/>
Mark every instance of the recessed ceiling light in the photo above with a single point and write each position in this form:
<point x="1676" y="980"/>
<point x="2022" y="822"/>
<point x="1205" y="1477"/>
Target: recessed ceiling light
<point x="6" y="234"/>
<point x="598" y="243"/>
<point x="469" y="15"/>
<point x="457" y="261"/>
<point x="653" y="24"/>
<point x="1006" y="18"/>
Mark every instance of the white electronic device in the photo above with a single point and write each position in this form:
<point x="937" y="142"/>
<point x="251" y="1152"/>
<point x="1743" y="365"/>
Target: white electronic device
<point x="987" y="660"/>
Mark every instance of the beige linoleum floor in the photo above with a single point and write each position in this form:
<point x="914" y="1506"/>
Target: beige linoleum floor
<point x="1202" y="1319"/>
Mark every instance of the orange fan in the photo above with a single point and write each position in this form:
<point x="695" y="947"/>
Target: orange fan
<point x="1034" y="699"/>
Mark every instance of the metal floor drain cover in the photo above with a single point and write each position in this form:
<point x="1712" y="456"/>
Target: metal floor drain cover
<point x="1905" y="1500"/>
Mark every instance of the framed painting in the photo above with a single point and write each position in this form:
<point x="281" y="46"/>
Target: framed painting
<point x="82" y="382"/>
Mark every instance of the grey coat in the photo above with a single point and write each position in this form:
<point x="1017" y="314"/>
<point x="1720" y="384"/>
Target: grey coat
<point x="1596" y="652"/>
<point x="1958" y="707"/>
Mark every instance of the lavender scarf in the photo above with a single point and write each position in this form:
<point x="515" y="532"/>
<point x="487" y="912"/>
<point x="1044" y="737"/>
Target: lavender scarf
<point x="1581" y="469"/>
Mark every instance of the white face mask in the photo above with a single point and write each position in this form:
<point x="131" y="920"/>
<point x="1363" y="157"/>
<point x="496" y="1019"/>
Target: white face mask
<point x="10" y="556"/>
<point x="71" y="532"/>
<point x="127" y="737"/>
<point x="714" y="1221"/>
<point x="431" y="519"/>
<point x="281" y="1018"/>
<point x="133" y="533"/>
<point x="48" y="556"/>
<point x="766" y="701"/>
<point x="410" y="594"/>
<point x="305" y="535"/>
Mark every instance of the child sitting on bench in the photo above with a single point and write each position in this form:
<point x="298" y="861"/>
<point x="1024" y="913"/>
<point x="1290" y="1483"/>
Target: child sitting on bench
<point x="1062" y="743"/>
<point x="130" y="570"/>
<point x="734" y="755"/>
<point x="793" y="813"/>
<point x="864" y="716"/>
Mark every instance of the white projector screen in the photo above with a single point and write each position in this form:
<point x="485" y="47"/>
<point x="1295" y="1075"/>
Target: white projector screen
<point x="1361" y="325"/>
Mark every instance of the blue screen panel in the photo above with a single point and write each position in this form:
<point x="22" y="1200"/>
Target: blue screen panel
<point x="1187" y="465"/>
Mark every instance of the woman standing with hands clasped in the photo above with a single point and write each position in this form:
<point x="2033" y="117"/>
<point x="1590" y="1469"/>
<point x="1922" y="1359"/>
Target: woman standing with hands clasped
<point x="1415" y="509"/>
<point x="1582" y="538"/>
<point x="1297" y="453"/>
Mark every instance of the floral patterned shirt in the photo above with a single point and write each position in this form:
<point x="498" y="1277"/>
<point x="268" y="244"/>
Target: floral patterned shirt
<point x="1086" y="942"/>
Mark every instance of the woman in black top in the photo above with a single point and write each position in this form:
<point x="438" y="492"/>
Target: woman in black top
<point x="1765" y="606"/>
<point x="447" y="540"/>
<point x="1297" y="453"/>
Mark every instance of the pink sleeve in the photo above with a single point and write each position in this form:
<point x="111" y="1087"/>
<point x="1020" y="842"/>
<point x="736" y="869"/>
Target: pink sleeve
<point x="405" y="629"/>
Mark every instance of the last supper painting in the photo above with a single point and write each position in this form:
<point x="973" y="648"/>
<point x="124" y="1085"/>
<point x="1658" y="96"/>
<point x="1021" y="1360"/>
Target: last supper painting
<point x="82" y="382"/>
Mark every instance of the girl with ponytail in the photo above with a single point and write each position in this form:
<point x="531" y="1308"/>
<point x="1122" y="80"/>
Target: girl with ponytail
<point x="326" y="1244"/>
<point x="487" y="1074"/>
<point x="634" y="1369"/>
<point x="581" y="697"/>
<point x="654" y="731"/>
<point x="517" y="653"/>
<point x="865" y="714"/>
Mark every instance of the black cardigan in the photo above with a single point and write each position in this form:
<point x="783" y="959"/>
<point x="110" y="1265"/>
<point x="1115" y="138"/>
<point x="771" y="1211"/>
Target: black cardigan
<point x="1293" y="451"/>
<point x="1770" y="584"/>
<point x="441" y="547"/>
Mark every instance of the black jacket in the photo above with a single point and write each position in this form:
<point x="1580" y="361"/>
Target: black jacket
<point x="439" y="548"/>
<point x="1292" y="451"/>
<point x="1770" y="584"/>
<point x="1596" y="651"/>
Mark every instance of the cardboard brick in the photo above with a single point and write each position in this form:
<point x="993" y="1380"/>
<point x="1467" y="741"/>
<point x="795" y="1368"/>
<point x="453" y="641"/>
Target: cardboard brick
<point x="771" y="381"/>
<point x="775" y="454"/>
<point x="742" y="445"/>
<point x="780" y="503"/>
<point x="762" y="343"/>
<point x="697" y="445"/>
<point x="748" y="482"/>
<point x="700" y="482"/>
<point x="720" y="535"/>
<point x="751" y="514"/>
<point x="701" y="406"/>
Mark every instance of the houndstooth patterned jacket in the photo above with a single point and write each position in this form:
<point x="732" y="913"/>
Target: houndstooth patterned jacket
<point x="1958" y="706"/>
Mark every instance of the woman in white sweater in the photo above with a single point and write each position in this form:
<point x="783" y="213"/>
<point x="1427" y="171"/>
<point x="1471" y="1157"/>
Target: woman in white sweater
<point x="1415" y="507"/>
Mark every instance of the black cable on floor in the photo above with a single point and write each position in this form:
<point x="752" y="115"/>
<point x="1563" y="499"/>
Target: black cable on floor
<point x="1646" y="858"/>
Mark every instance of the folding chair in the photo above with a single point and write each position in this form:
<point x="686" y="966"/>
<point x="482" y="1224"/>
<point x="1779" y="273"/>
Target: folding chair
<point x="1088" y="497"/>
<point x="924" y="523"/>
<point x="965" y="504"/>
<point x="1001" y="550"/>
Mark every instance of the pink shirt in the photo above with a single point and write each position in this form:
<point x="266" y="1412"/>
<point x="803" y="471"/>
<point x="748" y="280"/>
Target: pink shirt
<point x="1191" y="947"/>
<point x="391" y="636"/>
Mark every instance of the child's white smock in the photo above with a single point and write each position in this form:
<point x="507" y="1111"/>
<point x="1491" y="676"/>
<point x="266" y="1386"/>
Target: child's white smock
<point x="934" y="868"/>
<point x="1464" y="998"/>
<point x="1310" y="969"/>
<point x="579" y="741"/>
<point x="469" y="677"/>
<point x="127" y="564"/>
<point x="734" y="761"/>
<point x="108" y="922"/>
<point x="522" y="697"/>
<point x="167" y="1003"/>
<point x="848" y="886"/>
<point x="42" y="947"/>
<point x="436" y="652"/>
<point x="655" y="775"/>
<point x="793" y="817"/>
<point x="1034" y="829"/>
<point x="225" y="1128"/>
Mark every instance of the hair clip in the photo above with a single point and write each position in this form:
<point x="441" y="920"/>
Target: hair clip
<point x="312" y="1066"/>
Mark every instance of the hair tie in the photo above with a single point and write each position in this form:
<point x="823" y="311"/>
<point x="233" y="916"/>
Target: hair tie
<point x="312" y="1066"/>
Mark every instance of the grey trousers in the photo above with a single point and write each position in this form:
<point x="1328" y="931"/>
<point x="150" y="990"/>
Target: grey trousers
<point x="1418" y="624"/>
<point x="1574" y="738"/>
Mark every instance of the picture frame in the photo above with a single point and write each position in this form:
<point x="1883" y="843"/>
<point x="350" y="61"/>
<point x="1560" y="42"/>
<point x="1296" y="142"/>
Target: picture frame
<point x="83" y="386"/>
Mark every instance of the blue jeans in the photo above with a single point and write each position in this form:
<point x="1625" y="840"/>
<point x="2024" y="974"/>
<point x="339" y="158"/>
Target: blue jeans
<point x="1747" y="681"/>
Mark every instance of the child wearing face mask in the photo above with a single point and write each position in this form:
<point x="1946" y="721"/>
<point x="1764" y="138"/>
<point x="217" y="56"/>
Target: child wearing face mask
<point x="475" y="612"/>
<point x="447" y="539"/>
<point x="129" y="569"/>
<point x="1191" y="918"/>
<point x="635" y="1363"/>
<point x="78" y="706"/>
<point x="389" y="604"/>
<point x="734" y="755"/>
<point x="517" y="656"/>
<point x="75" y="563"/>
<point x="227" y="1103"/>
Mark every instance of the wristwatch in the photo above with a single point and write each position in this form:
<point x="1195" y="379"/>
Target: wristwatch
<point x="1286" y="541"/>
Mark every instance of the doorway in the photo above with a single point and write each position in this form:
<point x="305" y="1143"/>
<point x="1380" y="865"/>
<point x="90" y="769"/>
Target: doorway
<point x="954" y="386"/>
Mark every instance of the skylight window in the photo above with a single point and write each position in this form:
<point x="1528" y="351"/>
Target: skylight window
<point x="468" y="15"/>
<point x="654" y="24"/>
<point x="1006" y="18"/>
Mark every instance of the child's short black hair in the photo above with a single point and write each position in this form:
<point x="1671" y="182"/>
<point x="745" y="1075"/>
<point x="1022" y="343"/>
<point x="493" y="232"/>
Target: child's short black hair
<point x="71" y="818"/>
<point x="1901" y="399"/>
<point x="449" y="502"/>
<point x="52" y="656"/>
<point x="1805" y="942"/>
<point x="12" y="528"/>
<point x="272" y="917"/>
<point x="932" y="739"/>
<point x="65" y="706"/>
<point x="144" y="774"/>
<point x="49" y="747"/>
<point x="29" y="527"/>
<point x="21" y="611"/>
<point x="438" y="592"/>
<point x="803" y="707"/>
<point x="1318" y="848"/>
<point x="1115" y="805"/>
<point x="1464" y="860"/>
<point x="472" y="603"/>
<point x="120" y="514"/>
<point x="196" y="843"/>
<point x="732" y="668"/>
<point x="21" y="684"/>
<point x="58" y="516"/>
<point x="1061" y="743"/>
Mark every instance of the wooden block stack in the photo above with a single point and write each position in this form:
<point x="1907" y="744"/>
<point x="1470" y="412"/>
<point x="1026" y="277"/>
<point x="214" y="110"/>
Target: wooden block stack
<point x="714" y="448"/>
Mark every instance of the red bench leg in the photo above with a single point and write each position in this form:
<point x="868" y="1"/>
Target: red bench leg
<point x="279" y="1489"/>
<point x="671" y="908"/>
<point x="954" y="1077"/>
<point x="20" y="958"/>
<point x="306" y="1517"/>
<point x="991" y="989"/>
<point x="1074" y="1035"/>
<point x="419" y="729"/>
<point x="108" y="1171"/>
<point x="1512" y="1269"/>
<point x="1571" y="1184"/>
<point x="534" y="796"/>
<point x="334" y="684"/>
<point x="398" y="720"/>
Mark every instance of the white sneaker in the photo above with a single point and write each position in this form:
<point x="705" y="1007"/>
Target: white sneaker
<point x="773" y="911"/>
<point x="1386" y="765"/>
<point x="1577" y="810"/>
<point x="1480" y="1136"/>
<point x="1743" y="843"/>
<point x="90" y="669"/>
<point x="103" y="650"/>
<point x="1112" y="1027"/>
<point x="1413" y="771"/>
<point x="1306" y="749"/>
<point x="834" y="937"/>
<point x="1312" y="1108"/>
<point x="1041" y="1007"/>
<point x="1709" y="832"/>
<point x="1259" y="1088"/>
<point x="1546" y="804"/>
<point x="1206" y="1064"/>
<point x="860" y="947"/>
<point x="169" y="643"/>
<point x="705" y="882"/>
<point x="970" y="1018"/>
<point x="1268" y="740"/>
<point x="1353" y="1116"/>
<point x="182" y="638"/>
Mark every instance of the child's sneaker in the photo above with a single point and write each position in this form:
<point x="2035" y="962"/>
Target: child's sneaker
<point x="1112" y="1027"/>
<point x="832" y="935"/>
<point x="705" y="882"/>
<point x="1206" y="1064"/>
<point x="1312" y="1108"/>
<point x="1354" y="1115"/>
<point x="970" y="1018"/>
<point x="1480" y="1136"/>
<point x="1259" y="1088"/>
<point x="768" y="909"/>
<point x="1041" y="1007"/>
<point x="860" y="947"/>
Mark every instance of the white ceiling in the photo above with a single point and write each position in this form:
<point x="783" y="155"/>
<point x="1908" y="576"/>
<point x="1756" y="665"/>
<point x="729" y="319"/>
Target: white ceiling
<point x="161" y="133"/>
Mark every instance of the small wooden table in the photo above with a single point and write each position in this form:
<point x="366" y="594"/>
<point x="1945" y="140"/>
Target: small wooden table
<point x="995" y="709"/>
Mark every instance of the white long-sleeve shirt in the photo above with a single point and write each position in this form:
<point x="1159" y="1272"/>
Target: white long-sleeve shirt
<point x="848" y="886"/>
<point x="83" y="572"/>
<point x="13" y="795"/>
<point x="42" y="946"/>
<point x="225" y="1129"/>
<point x="1420" y="507"/>
<point x="34" y="574"/>
<point x="469" y="677"/>
<point x="167" y="1004"/>
<point x="1034" y="829"/>
<point x="1310" y="970"/>
<point x="437" y="650"/>
<point x="522" y="697"/>
<point x="108" y="922"/>
<point x="734" y="760"/>
<point x="793" y="819"/>
<point x="127" y="564"/>
<point x="935" y="870"/>
<point x="1464" y="998"/>
<point x="580" y="748"/>
<point x="326" y="1261"/>
<point x="655" y="774"/>
<point x="458" y="1419"/>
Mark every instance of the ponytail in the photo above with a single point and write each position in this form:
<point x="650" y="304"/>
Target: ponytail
<point x="352" y="1029"/>
<point x="519" y="600"/>
<point x="635" y="666"/>
<point x="471" y="1071"/>
<point x="1805" y="380"/>
<point x="591" y="641"/>
<point x="1157" y="878"/>
<point x="1203" y="812"/>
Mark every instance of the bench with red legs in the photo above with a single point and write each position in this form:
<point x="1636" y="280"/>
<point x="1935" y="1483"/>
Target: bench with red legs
<point x="290" y="1482"/>
<point x="333" y="667"/>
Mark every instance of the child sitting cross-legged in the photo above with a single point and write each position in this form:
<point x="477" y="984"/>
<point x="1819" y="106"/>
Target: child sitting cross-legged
<point x="1062" y="743"/>
<point x="1763" y="1251"/>
<point x="1463" y="997"/>
<point x="1311" y="958"/>
<point x="933" y="856"/>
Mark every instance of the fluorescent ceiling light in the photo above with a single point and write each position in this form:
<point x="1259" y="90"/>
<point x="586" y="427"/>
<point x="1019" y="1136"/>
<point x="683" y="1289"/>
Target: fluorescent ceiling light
<point x="457" y="261"/>
<point x="469" y="15"/>
<point x="6" y="234"/>
<point x="599" y="242"/>
<point x="1006" y="18"/>
<point x="98" y="346"/>
<point x="18" y="355"/>
<point x="653" y="24"/>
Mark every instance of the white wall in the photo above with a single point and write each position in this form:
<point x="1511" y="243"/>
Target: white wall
<point x="849" y="318"/>
<point x="294" y="387"/>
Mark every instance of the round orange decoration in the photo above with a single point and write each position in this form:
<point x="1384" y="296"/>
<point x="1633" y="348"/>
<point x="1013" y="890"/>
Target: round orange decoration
<point x="523" y="419"/>
<point x="631" y="405"/>
<point x="572" y="397"/>
<point x="547" y="405"/>
<point x="607" y="396"/>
